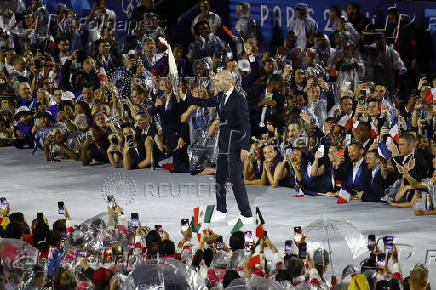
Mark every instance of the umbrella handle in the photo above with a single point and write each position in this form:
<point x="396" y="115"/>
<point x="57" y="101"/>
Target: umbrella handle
<point x="330" y="250"/>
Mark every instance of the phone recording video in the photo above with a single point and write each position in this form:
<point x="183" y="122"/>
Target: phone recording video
<point x="381" y="261"/>
<point x="297" y="234"/>
<point x="388" y="241"/>
<point x="40" y="217"/>
<point x="134" y="219"/>
<point x="371" y="242"/>
<point x="302" y="251"/>
<point x="61" y="209"/>
<point x="114" y="140"/>
<point x="110" y="200"/>
<point x="321" y="150"/>
<point x="288" y="245"/>
<point x="184" y="224"/>
<point x="158" y="228"/>
<point x="3" y="202"/>
<point x="219" y="243"/>
<point x="248" y="241"/>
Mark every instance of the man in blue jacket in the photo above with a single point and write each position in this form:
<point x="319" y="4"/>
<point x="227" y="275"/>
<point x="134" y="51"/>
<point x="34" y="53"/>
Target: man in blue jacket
<point x="377" y="185"/>
<point x="354" y="172"/>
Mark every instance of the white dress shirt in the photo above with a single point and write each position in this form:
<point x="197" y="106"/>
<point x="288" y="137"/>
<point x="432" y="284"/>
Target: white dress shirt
<point x="228" y="93"/>
<point x="356" y="166"/>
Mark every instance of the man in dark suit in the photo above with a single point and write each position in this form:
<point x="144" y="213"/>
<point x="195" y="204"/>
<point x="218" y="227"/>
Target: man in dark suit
<point x="233" y="144"/>
<point x="410" y="158"/>
<point x="377" y="185"/>
<point x="353" y="172"/>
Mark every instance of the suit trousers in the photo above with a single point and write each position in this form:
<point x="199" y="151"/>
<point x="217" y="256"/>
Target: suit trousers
<point x="230" y="165"/>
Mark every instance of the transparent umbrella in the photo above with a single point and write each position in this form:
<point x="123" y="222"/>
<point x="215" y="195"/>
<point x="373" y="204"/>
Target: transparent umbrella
<point x="254" y="283"/>
<point x="163" y="274"/>
<point x="18" y="259"/>
<point x="332" y="230"/>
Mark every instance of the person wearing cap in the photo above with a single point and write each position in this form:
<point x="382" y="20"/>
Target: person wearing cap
<point x="303" y="25"/>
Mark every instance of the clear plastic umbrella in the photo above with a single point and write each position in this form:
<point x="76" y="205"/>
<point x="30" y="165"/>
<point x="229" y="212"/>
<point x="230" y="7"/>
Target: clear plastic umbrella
<point x="254" y="283"/>
<point x="333" y="230"/>
<point x="163" y="274"/>
<point x="18" y="259"/>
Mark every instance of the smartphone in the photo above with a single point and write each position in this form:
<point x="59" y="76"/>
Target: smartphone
<point x="63" y="235"/>
<point x="110" y="200"/>
<point x="371" y="242"/>
<point x="288" y="245"/>
<point x="61" y="209"/>
<point x="248" y="241"/>
<point x="363" y="93"/>
<point x="381" y="261"/>
<point x="388" y="241"/>
<point x="348" y="139"/>
<point x="321" y="150"/>
<point x="288" y="62"/>
<point x="114" y="140"/>
<point x="362" y="102"/>
<point x="341" y="152"/>
<point x="297" y="234"/>
<point x="135" y="219"/>
<point x="302" y="251"/>
<point x="219" y="243"/>
<point x="288" y="151"/>
<point x="3" y="202"/>
<point x="40" y="216"/>
<point x="184" y="224"/>
<point x="158" y="228"/>
<point x="129" y="138"/>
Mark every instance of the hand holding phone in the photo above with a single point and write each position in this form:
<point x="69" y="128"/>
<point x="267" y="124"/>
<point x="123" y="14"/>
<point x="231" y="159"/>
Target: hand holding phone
<point x="61" y="209"/>
<point x="134" y="219"/>
<point x="297" y="234"/>
<point x="184" y="224"/>
<point x="302" y="251"/>
<point x="288" y="246"/>
<point x="371" y="242"/>
<point x="388" y="242"/>
<point x="3" y="202"/>
<point x="219" y="243"/>
<point x="248" y="240"/>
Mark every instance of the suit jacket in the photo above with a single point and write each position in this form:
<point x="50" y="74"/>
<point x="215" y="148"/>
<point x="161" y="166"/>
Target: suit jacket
<point x="419" y="172"/>
<point x="345" y="174"/>
<point x="234" y="126"/>
<point x="375" y="189"/>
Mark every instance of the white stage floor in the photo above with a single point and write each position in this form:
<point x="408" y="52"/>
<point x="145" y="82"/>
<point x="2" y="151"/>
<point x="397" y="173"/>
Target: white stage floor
<point x="32" y="184"/>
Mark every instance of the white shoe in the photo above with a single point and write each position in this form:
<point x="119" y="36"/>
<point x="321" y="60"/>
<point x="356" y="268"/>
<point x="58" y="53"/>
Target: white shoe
<point x="218" y="216"/>
<point x="245" y="220"/>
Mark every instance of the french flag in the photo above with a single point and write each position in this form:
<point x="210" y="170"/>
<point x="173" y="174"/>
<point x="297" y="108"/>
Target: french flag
<point x="373" y="130"/>
<point x="345" y="120"/>
<point x="429" y="95"/>
<point x="394" y="131"/>
<point x="384" y="151"/>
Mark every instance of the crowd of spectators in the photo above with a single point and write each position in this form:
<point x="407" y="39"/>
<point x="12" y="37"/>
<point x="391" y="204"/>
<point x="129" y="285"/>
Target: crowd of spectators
<point x="349" y="115"/>
<point x="110" y="251"/>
